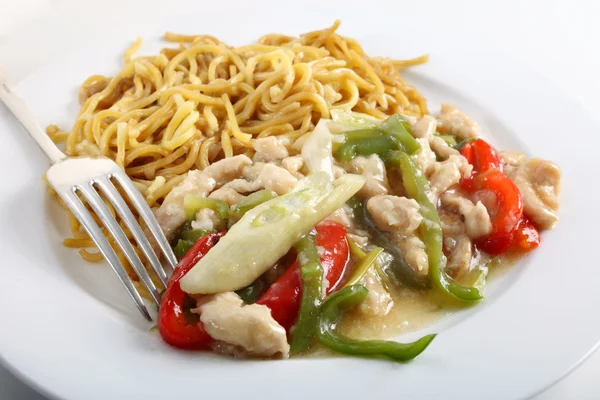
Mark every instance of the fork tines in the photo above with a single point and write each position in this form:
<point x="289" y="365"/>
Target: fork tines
<point x="92" y="192"/>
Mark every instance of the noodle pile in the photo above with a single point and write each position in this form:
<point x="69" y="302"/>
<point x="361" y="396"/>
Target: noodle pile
<point x="203" y="100"/>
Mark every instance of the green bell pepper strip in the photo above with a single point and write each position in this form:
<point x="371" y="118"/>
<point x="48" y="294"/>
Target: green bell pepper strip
<point x="366" y="262"/>
<point x="398" y="270"/>
<point x="250" y="294"/>
<point x="358" y="253"/>
<point x="417" y="187"/>
<point x="393" y="134"/>
<point x="355" y="250"/>
<point x="304" y="330"/>
<point x="367" y="133"/>
<point x="187" y="238"/>
<point x="331" y="313"/>
<point x="182" y="247"/>
<point x="253" y="200"/>
<point x="398" y="128"/>
<point x="364" y="147"/>
<point x="192" y="204"/>
<point x="449" y="139"/>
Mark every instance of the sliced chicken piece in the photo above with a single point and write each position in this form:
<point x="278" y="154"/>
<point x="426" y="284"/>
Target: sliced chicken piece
<point x="373" y="169"/>
<point x="378" y="302"/>
<point x="414" y="252"/>
<point x="461" y="251"/>
<point x="454" y="122"/>
<point x="338" y="171"/>
<point x="358" y="239"/>
<point x="341" y="217"/>
<point x="423" y="130"/>
<point x="251" y="327"/>
<point x="264" y="176"/>
<point x="243" y="186"/>
<point x="462" y="164"/>
<point x="269" y="149"/>
<point x="228" y="195"/>
<point x="444" y="176"/>
<point x="511" y="160"/>
<point x="441" y="148"/>
<point x="251" y="172"/>
<point x="294" y="166"/>
<point x="476" y="219"/>
<point x="395" y="214"/>
<point x="275" y="178"/>
<point x="425" y="158"/>
<point x="401" y="217"/>
<point x="452" y="222"/>
<point x="539" y="183"/>
<point x="448" y="173"/>
<point x="171" y="215"/>
<point x="443" y="173"/>
<point x="209" y="220"/>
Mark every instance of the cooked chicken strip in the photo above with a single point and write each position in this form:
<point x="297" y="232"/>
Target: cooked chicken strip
<point x="539" y="183"/>
<point x="454" y="122"/>
<point x="171" y="215"/>
<point x="226" y="318"/>
<point x="270" y="148"/>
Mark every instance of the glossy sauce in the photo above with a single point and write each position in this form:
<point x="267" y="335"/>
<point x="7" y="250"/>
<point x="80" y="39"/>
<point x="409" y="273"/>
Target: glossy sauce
<point x="416" y="309"/>
<point x="412" y="310"/>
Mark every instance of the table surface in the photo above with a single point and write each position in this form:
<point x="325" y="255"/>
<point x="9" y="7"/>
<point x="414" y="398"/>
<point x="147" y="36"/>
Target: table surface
<point x="555" y="38"/>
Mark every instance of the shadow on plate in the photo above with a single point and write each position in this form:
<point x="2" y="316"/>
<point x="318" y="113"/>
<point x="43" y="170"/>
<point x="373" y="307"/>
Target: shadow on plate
<point x="97" y="279"/>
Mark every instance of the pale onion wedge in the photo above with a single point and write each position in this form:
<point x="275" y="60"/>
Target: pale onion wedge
<point x="316" y="150"/>
<point x="267" y="232"/>
<point x="354" y="120"/>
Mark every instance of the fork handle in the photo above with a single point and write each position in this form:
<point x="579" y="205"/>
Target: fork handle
<point x="27" y="119"/>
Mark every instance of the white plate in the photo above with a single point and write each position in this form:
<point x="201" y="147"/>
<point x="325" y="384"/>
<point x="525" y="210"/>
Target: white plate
<point x="68" y="328"/>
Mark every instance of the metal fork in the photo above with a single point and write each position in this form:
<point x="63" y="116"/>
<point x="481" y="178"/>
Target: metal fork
<point x="87" y="178"/>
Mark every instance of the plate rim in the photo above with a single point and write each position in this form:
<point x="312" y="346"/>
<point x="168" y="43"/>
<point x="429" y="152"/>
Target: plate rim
<point x="451" y="78"/>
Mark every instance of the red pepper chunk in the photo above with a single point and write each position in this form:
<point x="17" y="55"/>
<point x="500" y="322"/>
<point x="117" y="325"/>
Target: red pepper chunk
<point x="498" y="192"/>
<point x="526" y="237"/>
<point x="284" y="296"/>
<point x="505" y="212"/>
<point x="481" y="156"/>
<point x="173" y="325"/>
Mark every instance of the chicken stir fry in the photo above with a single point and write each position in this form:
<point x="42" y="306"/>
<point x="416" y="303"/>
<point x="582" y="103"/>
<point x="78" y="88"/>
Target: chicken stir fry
<point x="274" y="246"/>
<point x="250" y="327"/>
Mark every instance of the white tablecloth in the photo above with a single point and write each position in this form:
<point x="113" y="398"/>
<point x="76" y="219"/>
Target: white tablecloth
<point x="558" y="39"/>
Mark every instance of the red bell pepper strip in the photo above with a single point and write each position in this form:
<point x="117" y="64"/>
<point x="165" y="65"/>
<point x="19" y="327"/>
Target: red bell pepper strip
<point x="283" y="297"/>
<point x="505" y="212"/>
<point x="526" y="237"/>
<point x="331" y="238"/>
<point x="175" y="328"/>
<point x="506" y="209"/>
<point x="481" y="155"/>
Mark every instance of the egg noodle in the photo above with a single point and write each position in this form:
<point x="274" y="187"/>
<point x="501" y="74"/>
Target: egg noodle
<point x="193" y="104"/>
